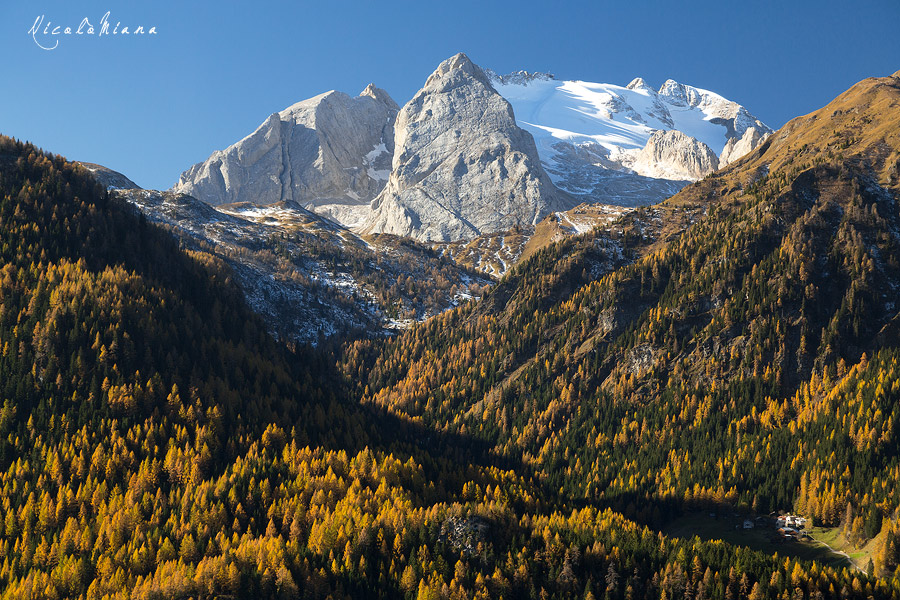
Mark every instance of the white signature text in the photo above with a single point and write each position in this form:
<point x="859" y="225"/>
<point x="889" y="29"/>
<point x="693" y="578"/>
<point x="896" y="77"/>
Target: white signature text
<point x="46" y="34"/>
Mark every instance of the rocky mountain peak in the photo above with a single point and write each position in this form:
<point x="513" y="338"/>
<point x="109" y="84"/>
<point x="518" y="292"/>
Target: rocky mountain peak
<point x="638" y="83"/>
<point x="675" y="155"/>
<point x="111" y="180"/>
<point x="736" y="148"/>
<point x="309" y="102"/>
<point x="462" y="166"/>
<point x="679" y="94"/>
<point x="331" y="152"/>
<point x="456" y="70"/>
<point x="376" y="93"/>
<point x="331" y="97"/>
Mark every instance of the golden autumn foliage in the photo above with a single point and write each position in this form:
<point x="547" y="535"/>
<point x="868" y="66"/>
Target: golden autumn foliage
<point x="155" y="442"/>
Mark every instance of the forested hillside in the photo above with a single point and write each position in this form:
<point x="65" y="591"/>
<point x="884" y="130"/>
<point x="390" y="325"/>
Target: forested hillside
<point x="156" y="442"/>
<point x="751" y="361"/>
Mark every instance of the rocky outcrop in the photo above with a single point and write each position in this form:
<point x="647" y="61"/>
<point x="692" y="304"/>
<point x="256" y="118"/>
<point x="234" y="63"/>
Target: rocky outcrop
<point x="462" y="167"/>
<point x="331" y="153"/>
<point x="737" y="148"/>
<point x="674" y="155"/>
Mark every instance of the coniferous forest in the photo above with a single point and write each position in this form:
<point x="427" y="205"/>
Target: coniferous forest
<point x="157" y="442"/>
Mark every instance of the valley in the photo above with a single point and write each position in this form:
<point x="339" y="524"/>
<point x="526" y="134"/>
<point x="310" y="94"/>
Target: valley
<point x="384" y="351"/>
<point x="764" y="538"/>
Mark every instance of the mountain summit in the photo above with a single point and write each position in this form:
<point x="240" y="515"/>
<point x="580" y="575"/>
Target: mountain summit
<point x="462" y="166"/>
<point x="604" y="143"/>
<point x="330" y="152"/>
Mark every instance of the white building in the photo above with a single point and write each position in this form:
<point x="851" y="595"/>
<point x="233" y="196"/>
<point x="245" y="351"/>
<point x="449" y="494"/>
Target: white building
<point x="792" y="521"/>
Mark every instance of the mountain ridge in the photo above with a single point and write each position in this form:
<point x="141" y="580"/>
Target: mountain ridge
<point x="553" y="174"/>
<point x="328" y="151"/>
<point x="593" y="138"/>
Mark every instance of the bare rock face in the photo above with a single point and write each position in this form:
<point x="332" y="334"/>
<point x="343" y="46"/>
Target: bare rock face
<point x="736" y="148"/>
<point x="462" y="167"/>
<point x="674" y="155"/>
<point x="330" y="153"/>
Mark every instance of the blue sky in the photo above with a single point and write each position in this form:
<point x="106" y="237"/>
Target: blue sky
<point x="151" y="106"/>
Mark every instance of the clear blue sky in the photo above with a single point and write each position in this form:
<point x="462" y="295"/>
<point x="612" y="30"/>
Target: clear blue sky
<point x="150" y="107"/>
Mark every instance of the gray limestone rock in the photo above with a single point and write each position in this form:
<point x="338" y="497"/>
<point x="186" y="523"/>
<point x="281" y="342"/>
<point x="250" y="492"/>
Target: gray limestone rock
<point x="331" y="150"/>
<point x="462" y="167"/>
<point x="736" y="148"/>
<point x="674" y="155"/>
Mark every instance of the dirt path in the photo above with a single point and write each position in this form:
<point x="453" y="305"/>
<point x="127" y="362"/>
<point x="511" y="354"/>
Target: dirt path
<point x="839" y="553"/>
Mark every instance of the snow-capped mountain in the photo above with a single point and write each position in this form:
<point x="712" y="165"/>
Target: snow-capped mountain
<point x="474" y="153"/>
<point x="482" y="168"/>
<point x="608" y="143"/>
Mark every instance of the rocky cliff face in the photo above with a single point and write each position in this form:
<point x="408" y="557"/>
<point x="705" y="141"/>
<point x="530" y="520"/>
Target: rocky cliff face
<point x="737" y="148"/>
<point x="331" y="153"/>
<point x="462" y="167"/>
<point x="674" y="155"/>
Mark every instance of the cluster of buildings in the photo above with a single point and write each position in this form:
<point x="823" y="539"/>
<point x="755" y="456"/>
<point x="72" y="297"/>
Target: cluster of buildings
<point x="786" y="526"/>
<point x="790" y="525"/>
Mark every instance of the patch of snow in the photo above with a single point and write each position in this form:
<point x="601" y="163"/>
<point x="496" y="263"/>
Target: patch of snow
<point x="399" y="324"/>
<point x="379" y="175"/>
<point x="377" y="151"/>
<point x="371" y="157"/>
